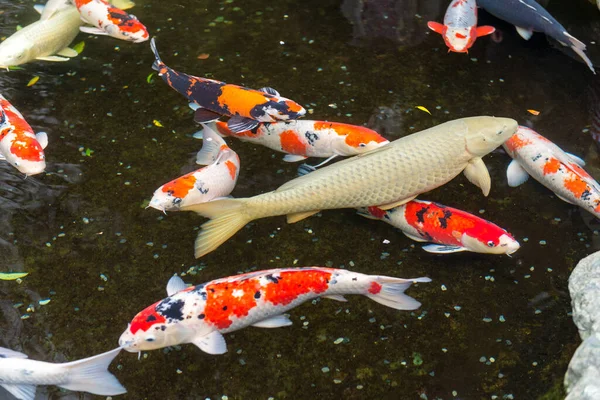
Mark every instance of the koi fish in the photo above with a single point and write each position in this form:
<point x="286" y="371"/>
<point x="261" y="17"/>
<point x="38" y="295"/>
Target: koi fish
<point x="559" y="171"/>
<point x="301" y="139"/>
<point x="452" y="230"/>
<point x="109" y="20"/>
<point x="46" y="39"/>
<point x="528" y="17"/>
<point x="211" y="99"/>
<point x="202" y="314"/>
<point x="387" y="177"/>
<point x="213" y="181"/>
<point x="18" y="144"/>
<point x="460" y="28"/>
<point x="19" y="375"/>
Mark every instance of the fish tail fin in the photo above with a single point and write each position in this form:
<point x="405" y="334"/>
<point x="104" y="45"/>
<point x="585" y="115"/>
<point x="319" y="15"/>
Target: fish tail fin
<point x="91" y="375"/>
<point x="227" y="216"/>
<point x="158" y="63"/>
<point x="390" y="292"/>
<point x="579" y="47"/>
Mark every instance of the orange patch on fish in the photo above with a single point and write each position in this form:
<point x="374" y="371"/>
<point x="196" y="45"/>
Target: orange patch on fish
<point x="27" y="148"/>
<point x="290" y="143"/>
<point x="146" y="318"/>
<point x="180" y="187"/>
<point x="293" y="106"/>
<point x="240" y="101"/>
<point x="516" y="142"/>
<point x="292" y="284"/>
<point x="227" y="299"/>
<point x="355" y="135"/>
<point x="551" y="166"/>
<point x="232" y="168"/>
<point x="576" y="186"/>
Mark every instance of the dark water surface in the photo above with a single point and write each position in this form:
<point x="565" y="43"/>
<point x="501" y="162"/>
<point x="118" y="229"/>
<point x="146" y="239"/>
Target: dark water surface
<point x="491" y="327"/>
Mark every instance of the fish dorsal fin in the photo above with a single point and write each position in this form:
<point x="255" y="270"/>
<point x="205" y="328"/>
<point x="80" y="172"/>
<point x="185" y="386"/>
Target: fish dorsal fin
<point x="436" y="27"/>
<point x="8" y="353"/>
<point x="22" y="392"/>
<point x="237" y="124"/>
<point x="295" y="217"/>
<point x="395" y="203"/>
<point x="175" y="284"/>
<point x="42" y="138"/>
<point x="213" y="343"/>
<point x="269" y="90"/>
<point x="477" y="173"/>
<point x="277" y="321"/>
<point x="211" y="146"/>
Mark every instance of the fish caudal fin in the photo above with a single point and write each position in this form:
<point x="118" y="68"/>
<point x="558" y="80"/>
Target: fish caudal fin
<point x="578" y="47"/>
<point x="158" y="63"/>
<point x="390" y="292"/>
<point x="227" y="216"/>
<point x="91" y="375"/>
<point x="211" y="146"/>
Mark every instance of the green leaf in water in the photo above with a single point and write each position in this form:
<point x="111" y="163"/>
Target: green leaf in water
<point x="88" y="152"/>
<point x="150" y="78"/>
<point x="11" y="276"/>
<point x="15" y="68"/>
<point x="79" y="47"/>
<point x="19" y="27"/>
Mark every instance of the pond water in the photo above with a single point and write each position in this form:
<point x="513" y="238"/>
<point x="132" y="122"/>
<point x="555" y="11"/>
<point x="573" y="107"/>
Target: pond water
<point x="490" y="326"/>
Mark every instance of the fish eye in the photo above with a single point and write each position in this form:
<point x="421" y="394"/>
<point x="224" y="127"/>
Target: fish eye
<point x="16" y="163"/>
<point x="362" y="145"/>
<point x="150" y="339"/>
<point x="490" y="244"/>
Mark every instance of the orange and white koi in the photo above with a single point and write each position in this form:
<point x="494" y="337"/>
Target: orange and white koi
<point x="19" y="146"/>
<point x="216" y="180"/>
<point x="460" y="28"/>
<point x="301" y="139"/>
<point x="110" y="20"/>
<point x="548" y="164"/>
<point x="451" y="229"/>
<point x="211" y="99"/>
<point x="202" y="314"/>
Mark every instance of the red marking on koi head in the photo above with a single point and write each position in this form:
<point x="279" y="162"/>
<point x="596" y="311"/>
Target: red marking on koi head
<point x="180" y="187"/>
<point x="146" y="318"/>
<point x="374" y="288"/>
<point x="27" y="148"/>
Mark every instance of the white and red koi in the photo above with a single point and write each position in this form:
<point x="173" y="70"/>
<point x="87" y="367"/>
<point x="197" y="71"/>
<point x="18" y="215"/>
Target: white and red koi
<point x="19" y="146"/>
<point x="202" y="314"/>
<point x="451" y="229"/>
<point x="559" y="171"/>
<point x="301" y="139"/>
<point x="212" y="99"/>
<point x="460" y="28"/>
<point x="111" y="21"/>
<point x="216" y="180"/>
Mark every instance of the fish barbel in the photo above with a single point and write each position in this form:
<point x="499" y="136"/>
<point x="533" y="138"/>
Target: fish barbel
<point x="387" y="177"/>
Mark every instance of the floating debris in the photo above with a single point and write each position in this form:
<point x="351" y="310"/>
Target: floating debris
<point x="11" y="276"/>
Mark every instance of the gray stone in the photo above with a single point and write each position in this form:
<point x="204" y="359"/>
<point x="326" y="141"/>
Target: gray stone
<point x="583" y="376"/>
<point x="584" y="287"/>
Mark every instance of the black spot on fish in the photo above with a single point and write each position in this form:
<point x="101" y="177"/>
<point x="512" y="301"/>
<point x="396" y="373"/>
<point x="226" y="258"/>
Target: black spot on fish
<point x="224" y="308"/>
<point x="257" y="294"/>
<point x="536" y="157"/>
<point x="163" y="328"/>
<point x="171" y="309"/>
<point x="586" y="195"/>
<point x="421" y="214"/>
<point x="272" y="278"/>
<point x="355" y="279"/>
<point x="150" y="318"/>
<point x="201" y="316"/>
<point x="444" y="220"/>
<point x="311" y="137"/>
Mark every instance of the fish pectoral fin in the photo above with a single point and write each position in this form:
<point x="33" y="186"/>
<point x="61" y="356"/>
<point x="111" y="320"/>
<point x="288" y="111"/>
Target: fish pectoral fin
<point x="293" y="158"/>
<point x="277" y="321"/>
<point x="8" y="353"/>
<point x="269" y="90"/>
<point x="485" y="30"/>
<point x="213" y="343"/>
<point x="39" y="8"/>
<point x="42" y="138"/>
<point x="295" y="217"/>
<point x="122" y="4"/>
<point x="68" y="52"/>
<point x="336" y="297"/>
<point x="436" y="27"/>
<point x="477" y="173"/>
<point x="524" y="32"/>
<point x="175" y="284"/>
<point x="53" y="58"/>
<point x="516" y="174"/>
<point x="193" y="106"/>
<point x="396" y="203"/>
<point x="415" y="237"/>
<point x="24" y="392"/>
<point x="92" y="30"/>
<point x="237" y="124"/>
<point x="2" y="158"/>
<point x="442" y="249"/>
<point x="577" y="160"/>
<point x="211" y="146"/>
<point x="563" y="199"/>
<point x="202" y="115"/>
